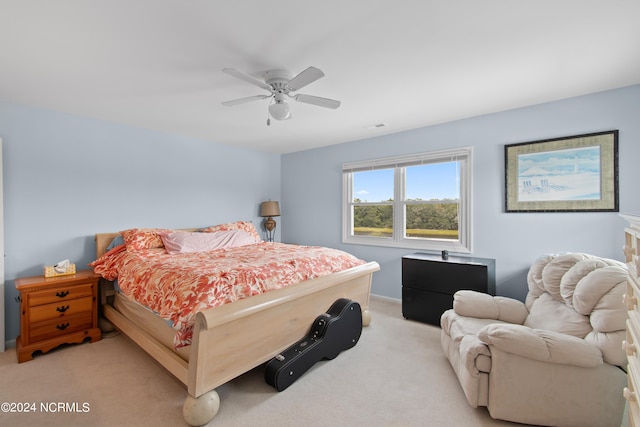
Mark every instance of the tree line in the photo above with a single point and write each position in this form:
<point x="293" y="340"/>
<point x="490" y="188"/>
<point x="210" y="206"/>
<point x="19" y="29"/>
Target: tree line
<point x="434" y="215"/>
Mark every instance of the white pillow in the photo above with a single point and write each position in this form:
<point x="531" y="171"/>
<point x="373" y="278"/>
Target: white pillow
<point x="185" y="242"/>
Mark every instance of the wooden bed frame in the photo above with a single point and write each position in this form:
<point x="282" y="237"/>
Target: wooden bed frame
<point x="234" y="338"/>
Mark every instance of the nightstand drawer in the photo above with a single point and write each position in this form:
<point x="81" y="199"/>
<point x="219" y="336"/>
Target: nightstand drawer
<point x="60" y="294"/>
<point x="631" y="249"/>
<point x="630" y="299"/>
<point x="629" y="393"/>
<point x="630" y="346"/>
<point x="61" y="326"/>
<point x="60" y="309"/>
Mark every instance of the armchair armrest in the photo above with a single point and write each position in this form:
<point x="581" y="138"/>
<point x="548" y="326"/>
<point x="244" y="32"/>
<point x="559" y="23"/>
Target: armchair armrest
<point x="542" y="345"/>
<point x="485" y="306"/>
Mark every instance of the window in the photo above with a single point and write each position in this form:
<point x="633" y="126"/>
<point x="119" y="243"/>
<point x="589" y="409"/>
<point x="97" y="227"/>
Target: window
<point x="419" y="201"/>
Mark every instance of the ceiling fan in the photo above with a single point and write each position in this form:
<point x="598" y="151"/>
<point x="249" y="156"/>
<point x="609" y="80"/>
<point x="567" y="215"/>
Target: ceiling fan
<point x="280" y="85"/>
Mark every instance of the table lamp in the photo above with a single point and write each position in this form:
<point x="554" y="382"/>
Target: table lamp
<point x="269" y="210"/>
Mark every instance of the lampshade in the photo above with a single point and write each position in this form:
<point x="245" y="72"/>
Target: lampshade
<point x="270" y="209"/>
<point x="280" y="110"/>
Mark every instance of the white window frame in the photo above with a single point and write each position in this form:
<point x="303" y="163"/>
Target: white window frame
<point x="399" y="163"/>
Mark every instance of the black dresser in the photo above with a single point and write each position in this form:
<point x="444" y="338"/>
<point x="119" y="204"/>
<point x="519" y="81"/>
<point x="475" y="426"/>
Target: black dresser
<point x="429" y="282"/>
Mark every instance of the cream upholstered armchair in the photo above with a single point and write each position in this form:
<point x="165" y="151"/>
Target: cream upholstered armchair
<point x="555" y="360"/>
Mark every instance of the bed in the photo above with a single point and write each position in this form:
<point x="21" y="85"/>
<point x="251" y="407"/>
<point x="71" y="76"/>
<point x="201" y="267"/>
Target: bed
<point x="233" y="338"/>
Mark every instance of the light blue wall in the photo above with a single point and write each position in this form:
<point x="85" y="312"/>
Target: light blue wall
<point x="68" y="177"/>
<point x="312" y="192"/>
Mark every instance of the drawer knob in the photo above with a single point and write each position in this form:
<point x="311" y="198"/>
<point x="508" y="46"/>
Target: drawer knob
<point x="629" y="301"/>
<point x="629" y="395"/>
<point x="62" y="308"/>
<point x="629" y="348"/>
<point x="62" y="326"/>
<point x="62" y="294"/>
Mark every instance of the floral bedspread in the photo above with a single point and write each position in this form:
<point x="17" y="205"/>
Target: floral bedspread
<point x="178" y="286"/>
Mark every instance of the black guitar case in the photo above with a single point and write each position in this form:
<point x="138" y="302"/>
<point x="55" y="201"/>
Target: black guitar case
<point x="332" y="332"/>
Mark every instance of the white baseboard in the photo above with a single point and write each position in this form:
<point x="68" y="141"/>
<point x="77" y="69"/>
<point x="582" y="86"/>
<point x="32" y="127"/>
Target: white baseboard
<point x="386" y="298"/>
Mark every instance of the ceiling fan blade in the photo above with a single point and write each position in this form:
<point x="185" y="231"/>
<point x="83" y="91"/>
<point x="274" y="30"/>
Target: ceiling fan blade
<point x="243" y="100"/>
<point x="316" y="100"/>
<point x="235" y="73"/>
<point x="306" y="77"/>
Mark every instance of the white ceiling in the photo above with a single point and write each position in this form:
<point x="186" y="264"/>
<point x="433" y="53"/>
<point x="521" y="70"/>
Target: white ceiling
<point x="407" y="63"/>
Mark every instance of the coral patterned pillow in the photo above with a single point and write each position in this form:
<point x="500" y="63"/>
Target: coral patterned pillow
<point x="245" y="226"/>
<point x="144" y="238"/>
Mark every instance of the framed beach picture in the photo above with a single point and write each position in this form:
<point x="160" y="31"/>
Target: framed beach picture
<point x="571" y="174"/>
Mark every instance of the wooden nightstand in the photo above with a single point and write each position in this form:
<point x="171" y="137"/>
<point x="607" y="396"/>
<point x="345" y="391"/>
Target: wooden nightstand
<point x="56" y="310"/>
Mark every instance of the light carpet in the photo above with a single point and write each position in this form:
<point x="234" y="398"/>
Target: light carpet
<point x="397" y="375"/>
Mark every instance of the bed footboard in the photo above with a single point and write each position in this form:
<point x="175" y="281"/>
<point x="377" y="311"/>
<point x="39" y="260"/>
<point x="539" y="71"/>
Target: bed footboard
<point x="256" y="329"/>
<point x="234" y="338"/>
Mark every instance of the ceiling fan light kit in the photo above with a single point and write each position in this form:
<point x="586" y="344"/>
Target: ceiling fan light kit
<point x="280" y="84"/>
<point x="280" y="110"/>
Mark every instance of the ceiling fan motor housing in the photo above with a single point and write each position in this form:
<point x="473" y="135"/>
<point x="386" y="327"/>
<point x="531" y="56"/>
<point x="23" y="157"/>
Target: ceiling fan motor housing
<point x="278" y="80"/>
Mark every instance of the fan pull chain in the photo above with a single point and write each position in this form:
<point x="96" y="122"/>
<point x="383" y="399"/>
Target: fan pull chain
<point x="269" y="117"/>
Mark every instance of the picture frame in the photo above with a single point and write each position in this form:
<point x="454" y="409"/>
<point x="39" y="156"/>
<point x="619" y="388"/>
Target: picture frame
<point x="569" y="174"/>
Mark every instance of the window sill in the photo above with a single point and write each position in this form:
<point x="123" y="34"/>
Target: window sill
<point x="432" y="245"/>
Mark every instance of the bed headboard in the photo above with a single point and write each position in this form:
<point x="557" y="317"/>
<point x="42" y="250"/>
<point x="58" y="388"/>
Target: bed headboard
<point x="104" y="239"/>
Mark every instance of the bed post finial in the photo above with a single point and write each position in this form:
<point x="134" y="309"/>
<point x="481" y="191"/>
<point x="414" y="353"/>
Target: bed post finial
<point x="198" y="411"/>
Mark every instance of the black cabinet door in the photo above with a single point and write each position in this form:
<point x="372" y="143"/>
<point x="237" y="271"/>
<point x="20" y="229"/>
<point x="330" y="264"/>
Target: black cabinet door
<point x="425" y="306"/>
<point x="429" y="282"/>
<point x="445" y="277"/>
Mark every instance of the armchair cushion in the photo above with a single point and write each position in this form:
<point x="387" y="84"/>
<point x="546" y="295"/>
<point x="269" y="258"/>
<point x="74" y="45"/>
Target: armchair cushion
<point x="580" y="295"/>
<point x="553" y="315"/>
<point x="475" y="356"/>
<point x="538" y="344"/>
<point x="485" y="306"/>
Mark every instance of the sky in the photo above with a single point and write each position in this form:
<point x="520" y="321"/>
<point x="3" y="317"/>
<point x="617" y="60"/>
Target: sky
<point x="560" y="162"/>
<point x="432" y="181"/>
